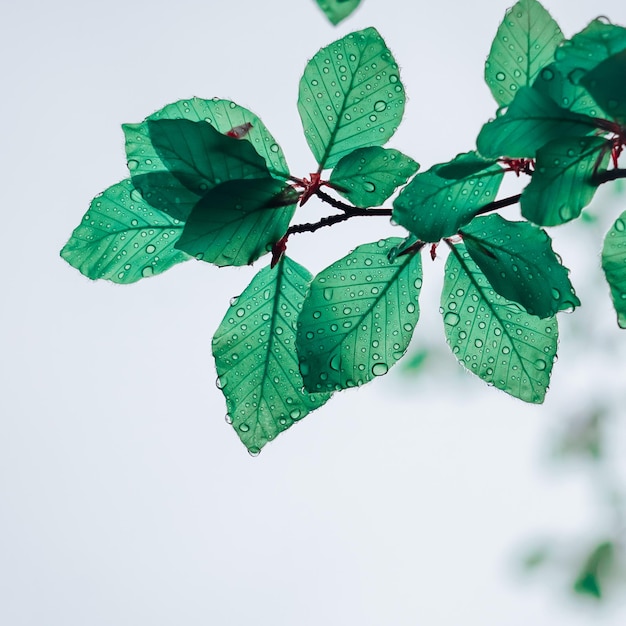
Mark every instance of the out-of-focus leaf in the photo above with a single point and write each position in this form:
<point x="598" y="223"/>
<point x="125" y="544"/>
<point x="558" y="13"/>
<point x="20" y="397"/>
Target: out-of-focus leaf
<point x="255" y="357"/>
<point x="519" y="263"/>
<point x="358" y="317"/>
<point x="525" y="42"/>
<point x="337" y="10"/>
<point x="595" y="571"/>
<point x="236" y="222"/>
<point x="493" y="337"/>
<point x="350" y="97"/>
<point x="614" y="266"/>
<point x="562" y="183"/>
<point x="607" y="84"/>
<point x="123" y="239"/>
<point x="370" y="175"/>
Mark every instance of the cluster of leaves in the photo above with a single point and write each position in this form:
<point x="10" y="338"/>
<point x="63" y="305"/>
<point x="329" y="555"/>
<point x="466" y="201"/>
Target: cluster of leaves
<point x="338" y="10"/>
<point x="208" y="180"/>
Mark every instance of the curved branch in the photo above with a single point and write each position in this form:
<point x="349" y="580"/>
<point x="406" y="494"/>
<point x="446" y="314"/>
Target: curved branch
<point x="605" y="177"/>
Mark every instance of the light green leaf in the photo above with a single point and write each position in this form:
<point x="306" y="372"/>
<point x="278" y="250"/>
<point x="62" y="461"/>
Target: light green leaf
<point x="607" y="84"/>
<point x="358" y="317"/>
<point x="532" y="120"/>
<point x="525" y="42"/>
<point x="255" y="356"/>
<point x="122" y="239"/>
<point x="432" y="207"/>
<point x="224" y="116"/>
<point x="337" y="10"/>
<point x="350" y="97"/>
<point x="371" y="175"/>
<point x="237" y="222"/>
<point x="614" y="266"/>
<point x="519" y="263"/>
<point x="493" y="337"/>
<point x="562" y="185"/>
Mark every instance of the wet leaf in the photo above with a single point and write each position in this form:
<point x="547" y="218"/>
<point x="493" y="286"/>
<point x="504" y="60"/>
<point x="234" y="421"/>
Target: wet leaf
<point x="358" y="317"/>
<point x="337" y="10"/>
<point x="493" y="337"/>
<point x="255" y="357"/>
<point x="123" y="239"/>
<point x="350" y="97"/>
<point x="519" y="263"/>
<point x="607" y="84"/>
<point x="525" y="42"/>
<point x="432" y="207"/>
<point x="614" y="266"/>
<point x="531" y="121"/>
<point x="562" y="184"/>
<point x="236" y="222"/>
<point x="371" y="175"/>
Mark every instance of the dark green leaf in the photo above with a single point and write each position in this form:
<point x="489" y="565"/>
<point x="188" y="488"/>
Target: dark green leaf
<point x="337" y="10"/>
<point x="358" y="317"/>
<point x="595" y="570"/>
<point x="562" y="183"/>
<point x="614" y="266"/>
<point x="123" y="239"/>
<point x="532" y="121"/>
<point x="370" y="175"/>
<point x="432" y="207"/>
<point x="607" y="84"/>
<point x="525" y="42"/>
<point x="255" y="357"/>
<point x="350" y="97"/>
<point x="463" y="165"/>
<point x="236" y="222"/>
<point x="493" y="337"/>
<point x="519" y="263"/>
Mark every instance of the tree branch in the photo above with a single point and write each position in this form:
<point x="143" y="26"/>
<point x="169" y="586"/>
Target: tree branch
<point x="605" y="177"/>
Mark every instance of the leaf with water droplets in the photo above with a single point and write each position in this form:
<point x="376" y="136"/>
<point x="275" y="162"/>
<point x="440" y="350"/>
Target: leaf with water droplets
<point x="525" y="42"/>
<point x="607" y="84"/>
<point x="123" y="239"/>
<point x="338" y="10"/>
<point x="237" y="222"/>
<point x="432" y="207"/>
<point x="493" y="337"/>
<point x="562" y="183"/>
<point x="519" y="263"/>
<point x="531" y="121"/>
<point x="368" y="176"/>
<point x="255" y="357"/>
<point x="614" y="266"/>
<point x="350" y="97"/>
<point x="358" y="317"/>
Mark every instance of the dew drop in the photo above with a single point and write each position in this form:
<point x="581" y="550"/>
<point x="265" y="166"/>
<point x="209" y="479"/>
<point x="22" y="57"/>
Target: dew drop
<point x="296" y="414"/>
<point x="244" y="428"/>
<point x="150" y="249"/>
<point x="451" y="319"/>
<point x="369" y="187"/>
<point x="500" y="76"/>
<point x="540" y="364"/>
<point x="147" y="271"/>
<point x="328" y="293"/>
<point x="380" y="106"/>
<point x="620" y="226"/>
<point x="335" y="362"/>
<point x="379" y="369"/>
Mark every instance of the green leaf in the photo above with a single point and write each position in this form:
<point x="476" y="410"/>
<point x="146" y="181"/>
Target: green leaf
<point x="255" y="357"/>
<point x="532" y="121"/>
<point x="562" y="185"/>
<point x="432" y="207"/>
<point x="237" y="222"/>
<point x="350" y="97"/>
<point x="525" y="42"/>
<point x="122" y="239"/>
<point x="337" y="10"/>
<point x="595" y="570"/>
<point x="463" y="165"/>
<point x="224" y="116"/>
<point x="493" y="337"/>
<point x="371" y="175"/>
<point x="519" y="263"/>
<point x="607" y="84"/>
<point x="614" y="266"/>
<point x="358" y="317"/>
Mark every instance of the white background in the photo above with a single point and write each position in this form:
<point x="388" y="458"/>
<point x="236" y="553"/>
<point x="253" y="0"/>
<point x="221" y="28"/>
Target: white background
<point x="125" y="498"/>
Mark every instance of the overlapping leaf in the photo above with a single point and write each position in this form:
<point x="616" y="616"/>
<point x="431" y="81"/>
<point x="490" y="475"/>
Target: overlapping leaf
<point x="525" y="42"/>
<point x="368" y="176"/>
<point x="562" y="184"/>
<point x="531" y="121"/>
<point x="254" y="350"/>
<point x="237" y="222"/>
<point x="519" y="263"/>
<point x="337" y="10"/>
<point x="358" y="317"/>
<point x="607" y="84"/>
<point x="122" y="239"/>
<point x="432" y="207"/>
<point x="493" y="337"/>
<point x="614" y="266"/>
<point x="350" y="97"/>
